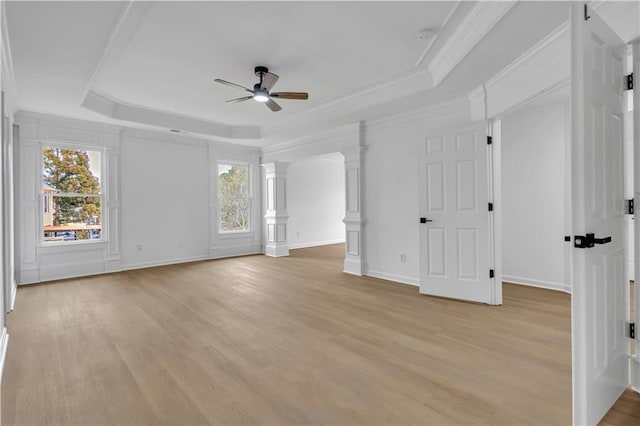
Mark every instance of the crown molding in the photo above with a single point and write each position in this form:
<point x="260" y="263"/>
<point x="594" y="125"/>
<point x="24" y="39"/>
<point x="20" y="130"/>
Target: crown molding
<point x="457" y="105"/>
<point x="523" y="59"/>
<point x="392" y="87"/>
<point x="9" y="78"/>
<point x="473" y="27"/>
<point x="544" y="68"/>
<point x="433" y="40"/>
<point x="113" y="108"/>
<point x="335" y="139"/>
<point x="116" y="34"/>
<point x="36" y="118"/>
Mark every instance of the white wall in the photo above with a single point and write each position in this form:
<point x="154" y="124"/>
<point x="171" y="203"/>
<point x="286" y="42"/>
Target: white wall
<point x="390" y="190"/>
<point x="316" y="201"/>
<point x="533" y="188"/>
<point x="160" y="200"/>
<point x="165" y="202"/>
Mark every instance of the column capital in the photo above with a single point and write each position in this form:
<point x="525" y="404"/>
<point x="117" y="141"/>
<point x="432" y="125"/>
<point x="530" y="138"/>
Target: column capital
<point x="353" y="153"/>
<point x="275" y="167"/>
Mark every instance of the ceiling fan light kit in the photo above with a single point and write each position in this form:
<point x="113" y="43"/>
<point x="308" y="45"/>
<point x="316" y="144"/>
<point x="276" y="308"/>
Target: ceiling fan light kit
<point x="262" y="91"/>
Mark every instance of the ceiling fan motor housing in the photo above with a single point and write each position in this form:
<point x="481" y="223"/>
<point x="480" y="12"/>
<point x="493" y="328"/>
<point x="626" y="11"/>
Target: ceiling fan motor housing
<point x="260" y="70"/>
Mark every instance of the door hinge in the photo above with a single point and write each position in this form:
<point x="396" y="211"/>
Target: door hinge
<point x="491" y="273"/>
<point x="629" y="82"/>
<point x="490" y="207"/>
<point x="632" y="330"/>
<point x="489" y="140"/>
<point x="586" y="13"/>
<point x="629" y="206"/>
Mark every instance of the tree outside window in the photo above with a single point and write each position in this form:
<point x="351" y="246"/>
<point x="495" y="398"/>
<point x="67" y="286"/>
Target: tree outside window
<point x="233" y="195"/>
<point x="71" y="193"/>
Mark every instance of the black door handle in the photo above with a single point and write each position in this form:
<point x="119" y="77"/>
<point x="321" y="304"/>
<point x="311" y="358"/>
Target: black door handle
<point x="425" y="220"/>
<point x="604" y="240"/>
<point x="589" y="240"/>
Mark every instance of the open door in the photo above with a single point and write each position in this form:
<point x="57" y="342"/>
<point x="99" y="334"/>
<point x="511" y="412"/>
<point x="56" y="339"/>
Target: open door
<point x="455" y="238"/>
<point x="599" y="345"/>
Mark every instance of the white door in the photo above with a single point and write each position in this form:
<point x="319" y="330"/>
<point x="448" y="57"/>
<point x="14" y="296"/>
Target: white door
<point x="600" y="348"/>
<point x="455" y="243"/>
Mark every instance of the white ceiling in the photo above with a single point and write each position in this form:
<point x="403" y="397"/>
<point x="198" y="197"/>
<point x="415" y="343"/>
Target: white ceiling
<point x="163" y="56"/>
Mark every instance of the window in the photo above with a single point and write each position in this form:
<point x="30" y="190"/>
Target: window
<point x="71" y="195"/>
<point x="233" y="196"/>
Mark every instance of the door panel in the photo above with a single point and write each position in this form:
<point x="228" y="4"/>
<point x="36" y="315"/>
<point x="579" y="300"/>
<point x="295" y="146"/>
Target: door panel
<point x="455" y="245"/>
<point x="600" y="359"/>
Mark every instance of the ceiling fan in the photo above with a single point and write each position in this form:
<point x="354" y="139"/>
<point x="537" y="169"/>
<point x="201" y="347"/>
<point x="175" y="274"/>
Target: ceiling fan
<point x="262" y="91"/>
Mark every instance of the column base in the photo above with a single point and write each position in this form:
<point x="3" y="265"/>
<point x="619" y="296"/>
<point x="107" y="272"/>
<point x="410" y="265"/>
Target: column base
<point x="276" y="250"/>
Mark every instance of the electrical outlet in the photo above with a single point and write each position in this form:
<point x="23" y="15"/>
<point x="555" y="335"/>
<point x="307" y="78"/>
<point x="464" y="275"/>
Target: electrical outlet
<point x="139" y="247"/>
<point x="403" y="257"/>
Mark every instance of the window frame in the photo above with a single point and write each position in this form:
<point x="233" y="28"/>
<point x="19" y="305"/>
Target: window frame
<point x="42" y="195"/>
<point x="248" y="198"/>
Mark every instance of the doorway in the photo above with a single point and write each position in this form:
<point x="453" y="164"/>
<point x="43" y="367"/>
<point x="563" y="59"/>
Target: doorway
<point x="316" y="201"/>
<point x="535" y="199"/>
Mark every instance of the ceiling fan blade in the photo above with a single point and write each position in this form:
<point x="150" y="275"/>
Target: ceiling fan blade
<point x="233" y="101"/>
<point x="291" y="95"/>
<point x="273" y="106"/>
<point x="228" y="83"/>
<point x="269" y="80"/>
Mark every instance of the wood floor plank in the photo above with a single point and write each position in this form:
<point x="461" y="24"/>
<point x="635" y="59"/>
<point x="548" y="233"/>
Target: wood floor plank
<point x="258" y="340"/>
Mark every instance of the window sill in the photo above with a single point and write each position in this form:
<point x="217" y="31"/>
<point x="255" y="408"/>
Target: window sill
<point x="72" y="245"/>
<point x="234" y="234"/>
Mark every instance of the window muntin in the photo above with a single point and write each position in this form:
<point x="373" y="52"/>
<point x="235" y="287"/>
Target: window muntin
<point x="71" y="195"/>
<point x="234" y="198"/>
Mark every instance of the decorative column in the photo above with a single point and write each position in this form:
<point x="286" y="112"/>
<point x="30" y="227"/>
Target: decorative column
<point x="353" y="263"/>
<point x="276" y="216"/>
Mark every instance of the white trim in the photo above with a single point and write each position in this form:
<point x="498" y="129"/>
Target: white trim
<point x="14" y="292"/>
<point x="4" y="344"/>
<point x="369" y="94"/>
<point x="124" y="13"/>
<point x="223" y="253"/>
<point x="315" y="244"/>
<point x="453" y="106"/>
<point x="473" y="27"/>
<point x="7" y="64"/>
<point x="562" y="30"/>
<point x="537" y="283"/>
<point x="31" y="117"/>
<point x="314" y="138"/>
<point x="393" y="277"/>
<point x="634" y="371"/>
<point x="153" y="264"/>
<point x="114" y="108"/>
<point x="433" y="40"/>
<point x="329" y="141"/>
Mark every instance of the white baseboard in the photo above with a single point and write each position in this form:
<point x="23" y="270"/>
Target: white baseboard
<point x="14" y="291"/>
<point x="393" y="277"/>
<point x="4" y="342"/>
<point x="537" y="283"/>
<point x="315" y="244"/>
<point x="153" y="264"/>
<point x="219" y="254"/>
<point x="634" y="372"/>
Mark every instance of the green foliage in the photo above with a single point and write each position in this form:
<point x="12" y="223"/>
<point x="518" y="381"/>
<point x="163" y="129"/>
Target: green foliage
<point x="233" y="190"/>
<point x="67" y="170"/>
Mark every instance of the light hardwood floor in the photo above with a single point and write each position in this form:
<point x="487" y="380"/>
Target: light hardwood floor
<point x="258" y="340"/>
